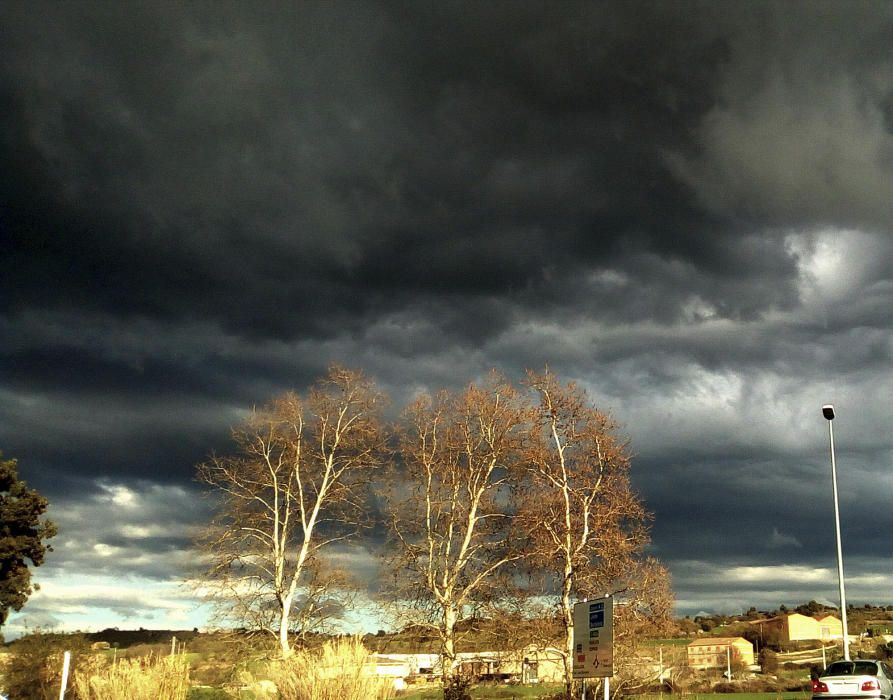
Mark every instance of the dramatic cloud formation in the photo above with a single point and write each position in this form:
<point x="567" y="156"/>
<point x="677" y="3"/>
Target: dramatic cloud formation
<point x="685" y="207"/>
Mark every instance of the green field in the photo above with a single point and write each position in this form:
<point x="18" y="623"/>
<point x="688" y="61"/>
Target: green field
<point x="793" y="695"/>
<point x="495" y="692"/>
<point x="484" y="692"/>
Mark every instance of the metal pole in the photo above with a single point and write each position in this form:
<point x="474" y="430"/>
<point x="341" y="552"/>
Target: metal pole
<point x="846" y="639"/>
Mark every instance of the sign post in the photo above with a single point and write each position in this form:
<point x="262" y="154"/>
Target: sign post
<point x="594" y="639"/>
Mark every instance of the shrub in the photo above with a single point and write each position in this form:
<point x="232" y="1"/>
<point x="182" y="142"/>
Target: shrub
<point x="725" y="687"/>
<point x="146" y="678"/>
<point x="335" y="671"/>
<point x="457" y="689"/>
<point x="768" y="661"/>
<point x="35" y="667"/>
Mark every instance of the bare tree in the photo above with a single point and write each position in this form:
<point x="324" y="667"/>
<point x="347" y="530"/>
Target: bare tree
<point x="644" y="610"/>
<point x="295" y="487"/>
<point x="450" y="519"/>
<point x="586" y="527"/>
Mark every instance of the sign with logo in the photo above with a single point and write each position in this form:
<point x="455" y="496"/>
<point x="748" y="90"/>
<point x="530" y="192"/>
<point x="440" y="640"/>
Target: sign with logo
<point x="594" y="638"/>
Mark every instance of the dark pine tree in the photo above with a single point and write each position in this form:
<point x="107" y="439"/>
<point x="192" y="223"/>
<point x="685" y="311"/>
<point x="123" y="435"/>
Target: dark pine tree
<point x="23" y="535"/>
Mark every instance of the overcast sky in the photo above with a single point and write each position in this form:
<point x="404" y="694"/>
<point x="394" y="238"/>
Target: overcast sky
<point x="685" y="207"/>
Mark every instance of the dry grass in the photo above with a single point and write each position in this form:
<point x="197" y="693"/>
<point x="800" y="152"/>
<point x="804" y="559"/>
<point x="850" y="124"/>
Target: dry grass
<point x="336" y="671"/>
<point x="146" y="678"/>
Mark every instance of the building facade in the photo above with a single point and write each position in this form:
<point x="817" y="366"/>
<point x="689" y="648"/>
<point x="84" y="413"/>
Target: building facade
<point x="718" y="652"/>
<point x="795" y="627"/>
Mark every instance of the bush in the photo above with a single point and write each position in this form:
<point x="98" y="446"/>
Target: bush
<point x="334" y="671"/>
<point x="146" y="678"/>
<point x="457" y="689"/>
<point x="35" y="667"/>
<point x="768" y="661"/>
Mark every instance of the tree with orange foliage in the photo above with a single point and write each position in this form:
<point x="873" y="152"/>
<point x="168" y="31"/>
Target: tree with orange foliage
<point x="586" y="528"/>
<point x="450" y="511"/>
<point x="296" y="486"/>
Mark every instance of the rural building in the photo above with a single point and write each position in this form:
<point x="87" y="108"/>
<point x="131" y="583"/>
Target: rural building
<point x="715" y="652"/>
<point x="529" y="665"/>
<point x="794" y="627"/>
<point x="405" y="665"/>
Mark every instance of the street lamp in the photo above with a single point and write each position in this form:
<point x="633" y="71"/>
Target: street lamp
<point x="828" y="413"/>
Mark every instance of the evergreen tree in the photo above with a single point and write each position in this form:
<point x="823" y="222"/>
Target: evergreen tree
<point x="22" y="537"/>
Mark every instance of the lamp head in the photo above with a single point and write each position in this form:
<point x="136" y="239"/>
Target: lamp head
<point x="828" y="411"/>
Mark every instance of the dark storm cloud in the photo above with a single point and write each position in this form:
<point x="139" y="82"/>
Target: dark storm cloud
<point x="342" y="162"/>
<point x="800" y="133"/>
<point x="164" y="162"/>
<point x="684" y="207"/>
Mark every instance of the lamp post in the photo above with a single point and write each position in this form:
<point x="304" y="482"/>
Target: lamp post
<point x="828" y="413"/>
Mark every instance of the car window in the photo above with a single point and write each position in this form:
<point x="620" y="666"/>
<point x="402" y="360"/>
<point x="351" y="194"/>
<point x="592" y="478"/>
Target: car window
<point x="851" y="668"/>
<point x="839" y="668"/>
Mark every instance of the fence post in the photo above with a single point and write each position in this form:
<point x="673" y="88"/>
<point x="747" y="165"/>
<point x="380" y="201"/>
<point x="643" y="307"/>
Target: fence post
<point x="66" y="663"/>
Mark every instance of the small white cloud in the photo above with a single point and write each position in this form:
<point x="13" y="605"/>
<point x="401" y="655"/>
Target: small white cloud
<point x="105" y="550"/>
<point x="177" y="616"/>
<point x="118" y="494"/>
<point x="777" y="574"/>
<point x="142" y="532"/>
<point x="778" y="540"/>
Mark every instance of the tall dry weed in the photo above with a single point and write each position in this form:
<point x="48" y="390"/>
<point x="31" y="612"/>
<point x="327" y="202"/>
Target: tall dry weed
<point x="147" y="678"/>
<point x="339" y="670"/>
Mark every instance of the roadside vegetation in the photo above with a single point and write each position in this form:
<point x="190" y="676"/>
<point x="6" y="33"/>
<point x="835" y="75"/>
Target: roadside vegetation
<point x="147" y="678"/>
<point x="335" y="670"/>
<point x="115" y="664"/>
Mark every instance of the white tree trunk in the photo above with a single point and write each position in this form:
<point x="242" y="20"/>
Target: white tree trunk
<point x="449" y="643"/>
<point x="567" y="611"/>
<point x="284" y="645"/>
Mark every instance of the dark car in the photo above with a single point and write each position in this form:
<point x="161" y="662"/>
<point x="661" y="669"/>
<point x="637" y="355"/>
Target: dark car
<point x="859" y="678"/>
